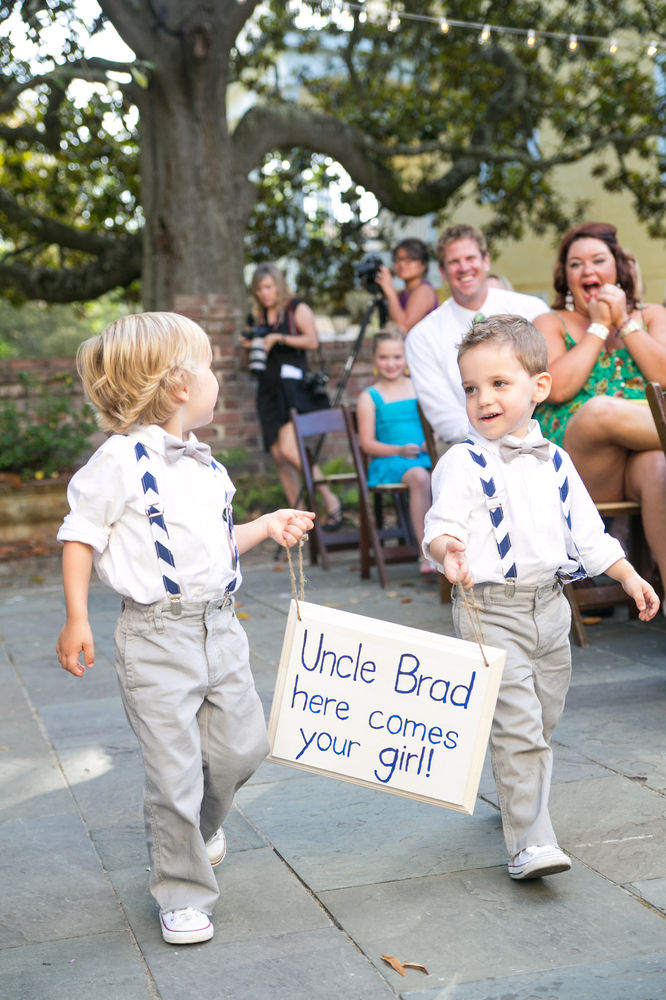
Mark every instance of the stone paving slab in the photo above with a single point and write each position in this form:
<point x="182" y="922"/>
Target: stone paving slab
<point x="615" y="826"/>
<point x="259" y="898"/>
<point x="310" y="965"/>
<point x="626" y="979"/>
<point x="338" y="834"/>
<point x="53" y="852"/>
<point x="653" y="891"/>
<point x="98" y="967"/>
<point x="477" y="925"/>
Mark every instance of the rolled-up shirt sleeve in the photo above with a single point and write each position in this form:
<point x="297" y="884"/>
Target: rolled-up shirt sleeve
<point x="455" y="494"/>
<point x="597" y="548"/>
<point x="97" y="497"/>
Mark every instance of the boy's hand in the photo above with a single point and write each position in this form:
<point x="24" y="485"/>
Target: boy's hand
<point x="646" y="599"/>
<point x="287" y="527"/>
<point x="75" y="637"/>
<point x="448" y="551"/>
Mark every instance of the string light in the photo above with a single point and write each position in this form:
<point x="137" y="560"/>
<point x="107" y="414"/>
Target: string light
<point x="346" y="12"/>
<point x="377" y="12"/>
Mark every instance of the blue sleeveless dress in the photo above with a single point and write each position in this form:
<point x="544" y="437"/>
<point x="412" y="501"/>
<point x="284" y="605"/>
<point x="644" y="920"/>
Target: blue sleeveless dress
<point x="395" y="423"/>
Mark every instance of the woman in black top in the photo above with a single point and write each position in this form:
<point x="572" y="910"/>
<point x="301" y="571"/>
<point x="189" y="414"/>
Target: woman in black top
<point x="281" y="386"/>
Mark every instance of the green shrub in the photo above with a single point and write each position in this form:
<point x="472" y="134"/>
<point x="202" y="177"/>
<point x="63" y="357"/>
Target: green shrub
<point x="44" y="430"/>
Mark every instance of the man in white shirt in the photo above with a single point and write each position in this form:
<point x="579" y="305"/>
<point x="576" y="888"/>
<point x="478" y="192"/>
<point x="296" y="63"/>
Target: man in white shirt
<point x="431" y="346"/>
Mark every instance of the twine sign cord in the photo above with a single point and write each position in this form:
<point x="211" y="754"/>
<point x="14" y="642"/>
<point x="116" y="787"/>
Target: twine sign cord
<point x="478" y="635"/>
<point x="293" y="576"/>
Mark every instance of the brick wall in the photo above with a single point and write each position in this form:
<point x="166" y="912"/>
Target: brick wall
<point x="235" y="424"/>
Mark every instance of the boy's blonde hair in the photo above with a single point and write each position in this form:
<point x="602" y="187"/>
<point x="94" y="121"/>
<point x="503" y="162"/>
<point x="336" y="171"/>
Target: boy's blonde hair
<point x="389" y="332"/>
<point x="528" y="343"/>
<point x="132" y="371"/>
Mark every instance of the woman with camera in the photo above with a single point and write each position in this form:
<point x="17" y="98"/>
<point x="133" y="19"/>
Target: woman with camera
<point x="418" y="298"/>
<point x="281" y="330"/>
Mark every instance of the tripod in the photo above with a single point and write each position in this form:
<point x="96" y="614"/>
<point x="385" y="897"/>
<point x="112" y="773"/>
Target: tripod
<point x="379" y="303"/>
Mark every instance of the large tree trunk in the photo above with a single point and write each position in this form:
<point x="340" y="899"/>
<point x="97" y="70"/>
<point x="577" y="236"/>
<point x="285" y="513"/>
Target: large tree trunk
<point x="193" y="237"/>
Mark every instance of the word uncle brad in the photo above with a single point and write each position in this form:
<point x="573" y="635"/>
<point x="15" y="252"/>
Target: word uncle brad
<point x="406" y="680"/>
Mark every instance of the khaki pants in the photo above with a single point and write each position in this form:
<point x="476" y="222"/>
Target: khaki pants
<point x="533" y="628"/>
<point x="189" y="696"/>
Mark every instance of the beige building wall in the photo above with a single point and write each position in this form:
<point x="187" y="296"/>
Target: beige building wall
<point x="528" y="263"/>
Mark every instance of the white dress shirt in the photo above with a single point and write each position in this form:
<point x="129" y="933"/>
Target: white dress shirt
<point x="528" y="491"/>
<point x="108" y="511"/>
<point x="431" y="349"/>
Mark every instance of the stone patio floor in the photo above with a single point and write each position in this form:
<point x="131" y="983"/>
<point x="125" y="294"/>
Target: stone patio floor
<point x="323" y="877"/>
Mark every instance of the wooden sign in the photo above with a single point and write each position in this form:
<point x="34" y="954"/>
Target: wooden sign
<point x="384" y="705"/>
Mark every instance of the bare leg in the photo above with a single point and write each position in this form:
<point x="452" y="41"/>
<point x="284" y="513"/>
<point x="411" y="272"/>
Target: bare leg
<point x="420" y="497"/>
<point x="646" y="483"/>
<point x="599" y="439"/>
<point x="615" y="447"/>
<point x="289" y="478"/>
<point x="288" y="449"/>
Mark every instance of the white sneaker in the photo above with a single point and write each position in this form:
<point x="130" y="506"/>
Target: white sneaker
<point x="217" y="847"/>
<point x="537" y="861"/>
<point x="185" y="926"/>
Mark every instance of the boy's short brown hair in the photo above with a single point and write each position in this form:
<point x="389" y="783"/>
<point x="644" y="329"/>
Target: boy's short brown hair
<point x="460" y="232"/>
<point x="132" y="371"/>
<point x="528" y="343"/>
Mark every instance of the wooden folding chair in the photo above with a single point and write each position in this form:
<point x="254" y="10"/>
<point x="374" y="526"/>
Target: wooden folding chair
<point x="444" y="585"/>
<point x="655" y="398"/>
<point x="309" y="425"/>
<point x="374" y="534"/>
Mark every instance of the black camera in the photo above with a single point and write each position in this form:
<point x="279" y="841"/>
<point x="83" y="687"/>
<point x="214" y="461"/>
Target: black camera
<point x="316" y="382"/>
<point x="257" y="354"/>
<point x="367" y="272"/>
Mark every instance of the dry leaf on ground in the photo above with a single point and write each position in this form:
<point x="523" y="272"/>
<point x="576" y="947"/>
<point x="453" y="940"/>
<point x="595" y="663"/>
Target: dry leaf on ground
<point x="395" y="964"/>
<point x="413" y="965"/>
<point x="278" y="569"/>
<point x="242" y="614"/>
<point x="406" y="600"/>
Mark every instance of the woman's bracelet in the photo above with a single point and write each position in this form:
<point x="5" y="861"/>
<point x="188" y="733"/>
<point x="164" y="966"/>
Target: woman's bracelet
<point x="629" y="326"/>
<point x="599" y="330"/>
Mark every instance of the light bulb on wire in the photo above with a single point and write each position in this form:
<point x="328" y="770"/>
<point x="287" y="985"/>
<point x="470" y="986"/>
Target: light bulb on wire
<point x="531" y="38"/>
<point x="573" y="43"/>
<point x="652" y="49"/>
<point x="485" y="34"/>
<point x="444" y="26"/>
<point x="394" y="22"/>
<point x="612" y="48"/>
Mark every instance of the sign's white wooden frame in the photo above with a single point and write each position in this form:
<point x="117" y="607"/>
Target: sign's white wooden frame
<point x="361" y="702"/>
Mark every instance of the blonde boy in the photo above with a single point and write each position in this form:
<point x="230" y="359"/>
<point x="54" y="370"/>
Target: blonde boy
<point x="511" y="516"/>
<point x="152" y="511"/>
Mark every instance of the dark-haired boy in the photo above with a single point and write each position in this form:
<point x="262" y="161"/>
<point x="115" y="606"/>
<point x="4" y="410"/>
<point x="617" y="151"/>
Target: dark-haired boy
<point x="511" y="515"/>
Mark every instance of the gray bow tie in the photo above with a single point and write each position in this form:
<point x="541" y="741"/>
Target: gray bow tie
<point x="509" y="450"/>
<point x="175" y="449"/>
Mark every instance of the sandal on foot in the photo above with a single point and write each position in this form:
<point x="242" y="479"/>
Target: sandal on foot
<point x="333" y="521"/>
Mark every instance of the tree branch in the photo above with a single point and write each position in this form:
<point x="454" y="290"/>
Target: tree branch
<point x="267" y="127"/>
<point x="119" y="266"/>
<point x="44" y="230"/>
<point x="91" y="70"/>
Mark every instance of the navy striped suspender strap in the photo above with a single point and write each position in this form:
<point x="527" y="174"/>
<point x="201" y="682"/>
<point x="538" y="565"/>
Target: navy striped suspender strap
<point x="228" y="516"/>
<point x="498" y="521"/>
<point x="578" y="572"/>
<point x="155" y="512"/>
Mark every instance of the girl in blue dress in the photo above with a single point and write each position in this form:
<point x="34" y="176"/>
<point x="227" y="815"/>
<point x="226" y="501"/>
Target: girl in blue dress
<point x="391" y="432"/>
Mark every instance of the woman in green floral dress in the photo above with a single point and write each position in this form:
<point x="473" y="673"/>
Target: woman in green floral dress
<point x="603" y="349"/>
